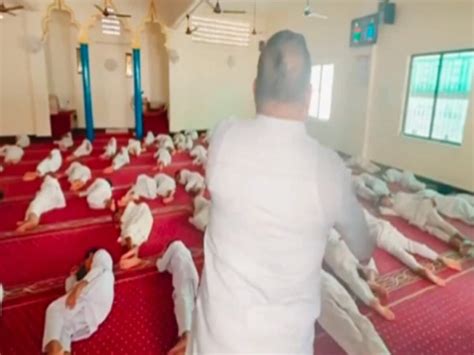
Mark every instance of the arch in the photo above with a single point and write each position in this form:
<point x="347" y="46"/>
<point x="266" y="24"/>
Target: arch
<point x="57" y="5"/>
<point x="150" y="17"/>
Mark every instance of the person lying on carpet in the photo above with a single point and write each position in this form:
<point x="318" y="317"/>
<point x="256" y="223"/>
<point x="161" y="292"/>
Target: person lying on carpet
<point x="395" y="243"/>
<point x="179" y="138"/>
<point x="165" y="141"/>
<point x="178" y="261"/>
<point x="23" y="141"/>
<point x="51" y="164"/>
<point x="192" y="134"/>
<point x="346" y="267"/>
<point x="369" y="187"/>
<point x="421" y="212"/>
<point x="110" y="149"/>
<point x="49" y="197"/>
<point x="85" y="149"/>
<point x="359" y="165"/>
<point x="183" y="143"/>
<point x="99" y="195"/>
<point x="199" y="153"/>
<point x="451" y="206"/>
<point x="193" y="181"/>
<point x="342" y="320"/>
<point x="78" y="175"/>
<point x="65" y="142"/>
<point x="163" y="158"/>
<point x="149" y="139"/>
<point x="86" y="305"/>
<point x="120" y="160"/>
<point x="135" y="147"/>
<point x="200" y="218"/>
<point x="406" y="179"/>
<point x="11" y="154"/>
<point x="136" y="222"/>
<point x="206" y="136"/>
<point x="146" y="187"/>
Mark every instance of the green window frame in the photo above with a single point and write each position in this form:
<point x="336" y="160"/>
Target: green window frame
<point x="438" y="95"/>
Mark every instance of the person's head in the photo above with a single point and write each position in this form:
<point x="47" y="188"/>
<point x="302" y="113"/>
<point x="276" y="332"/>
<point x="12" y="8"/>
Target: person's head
<point x="283" y="87"/>
<point x="86" y="266"/>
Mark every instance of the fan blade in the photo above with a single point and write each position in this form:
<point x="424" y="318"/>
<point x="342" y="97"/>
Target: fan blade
<point x="100" y="9"/>
<point x="319" y="16"/>
<point x="13" y="8"/>
<point x="236" y="12"/>
<point x="123" y="15"/>
<point x="10" y="13"/>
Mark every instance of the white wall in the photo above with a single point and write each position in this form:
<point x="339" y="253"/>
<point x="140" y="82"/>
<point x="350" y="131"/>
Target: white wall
<point x="420" y="27"/>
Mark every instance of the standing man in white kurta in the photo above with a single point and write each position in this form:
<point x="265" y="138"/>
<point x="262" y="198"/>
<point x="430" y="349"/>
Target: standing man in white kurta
<point x="275" y="195"/>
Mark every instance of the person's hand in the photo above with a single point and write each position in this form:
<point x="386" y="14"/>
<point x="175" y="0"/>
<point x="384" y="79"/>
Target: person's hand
<point x="72" y="297"/>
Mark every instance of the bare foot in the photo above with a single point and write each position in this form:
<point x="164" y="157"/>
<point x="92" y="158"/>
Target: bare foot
<point x="130" y="263"/>
<point x="379" y="290"/>
<point x="451" y="263"/>
<point x="168" y="200"/>
<point x="432" y="277"/>
<point x="385" y="312"/>
<point x="180" y="347"/>
<point x="108" y="170"/>
<point x="30" y="176"/>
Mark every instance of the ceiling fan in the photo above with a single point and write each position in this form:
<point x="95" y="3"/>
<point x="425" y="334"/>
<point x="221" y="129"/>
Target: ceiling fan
<point x="189" y="30"/>
<point x="9" y="9"/>
<point x="107" y="11"/>
<point x="254" y="30"/>
<point x="308" y="12"/>
<point x="217" y="9"/>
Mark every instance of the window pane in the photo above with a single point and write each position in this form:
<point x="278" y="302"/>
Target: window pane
<point x="453" y="96"/>
<point x="326" y="92"/>
<point x="423" y="77"/>
<point x="315" y="82"/>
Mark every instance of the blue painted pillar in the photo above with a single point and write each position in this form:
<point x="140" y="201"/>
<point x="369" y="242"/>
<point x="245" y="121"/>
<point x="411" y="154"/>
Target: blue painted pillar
<point x="137" y="81"/>
<point x="86" y="85"/>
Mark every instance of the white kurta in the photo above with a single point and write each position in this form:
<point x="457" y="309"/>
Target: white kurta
<point x="76" y="171"/>
<point x="163" y="156"/>
<point x="145" y="187"/>
<point x="467" y="197"/>
<point x="121" y="159"/>
<point x="341" y="319"/>
<point x="393" y="242"/>
<point x="363" y="164"/>
<point x="165" y="141"/>
<point x="451" y="206"/>
<point x="179" y="138"/>
<point x="23" y="141"/>
<point x="200" y="218"/>
<point x="192" y="181"/>
<point x="405" y="179"/>
<point x="369" y="187"/>
<point x="136" y="223"/>
<point x="65" y="142"/>
<point x="98" y="194"/>
<point x="134" y="147"/>
<point x="111" y="148"/>
<point x="199" y="153"/>
<point x="250" y="301"/>
<point x="92" y="308"/>
<point x="149" y="139"/>
<point x="49" y="197"/>
<point x="84" y="149"/>
<point x="50" y="164"/>
<point x="192" y="134"/>
<point x="165" y="185"/>
<point x="11" y="153"/>
<point x="178" y="261"/>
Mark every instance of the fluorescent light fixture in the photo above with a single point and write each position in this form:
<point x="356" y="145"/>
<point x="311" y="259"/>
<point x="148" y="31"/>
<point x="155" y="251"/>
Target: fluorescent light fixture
<point x="216" y="31"/>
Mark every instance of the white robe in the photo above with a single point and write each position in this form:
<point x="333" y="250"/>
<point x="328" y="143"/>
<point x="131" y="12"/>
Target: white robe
<point x="23" y="141"/>
<point x="11" y="153"/>
<point x="65" y="142"/>
<point x="121" y="159"/>
<point x="84" y="149"/>
<point x="98" y="194"/>
<point x="345" y="266"/>
<point x="48" y="198"/>
<point x="192" y="134"/>
<point x="134" y="147"/>
<point x="50" y="164"/>
<point x="405" y="179"/>
<point x="393" y="242"/>
<point x="77" y="171"/>
<point x="165" y="141"/>
<point x="145" y="187"/>
<point x="165" y="185"/>
<point x="179" y="138"/>
<point x="341" y="319"/>
<point x="200" y="218"/>
<point x="192" y="181"/>
<point x="111" y="148"/>
<point x="274" y="198"/>
<point x="149" y="139"/>
<point x="451" y="206"/>
<point x="178" y="261"/>
<point x="163" y="157"/>
<point x="362" y="163"/>
<point x="467" y="197"/>
<point x="92" y="308"/>
<point x="369" y="187"/>
<point x="199" y="153"/>
<point x="136" y="223"/>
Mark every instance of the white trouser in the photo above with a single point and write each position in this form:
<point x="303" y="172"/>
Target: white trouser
<point x="350" y="275"/>
<point x="404" y="253"/>
<point x="183" y="307"/>
<point x="438" y="227"/>
<point x="353" y="332"/>
<point x="63" y="324"/>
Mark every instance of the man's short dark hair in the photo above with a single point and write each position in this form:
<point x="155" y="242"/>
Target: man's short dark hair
<point x="284" y="69"/>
